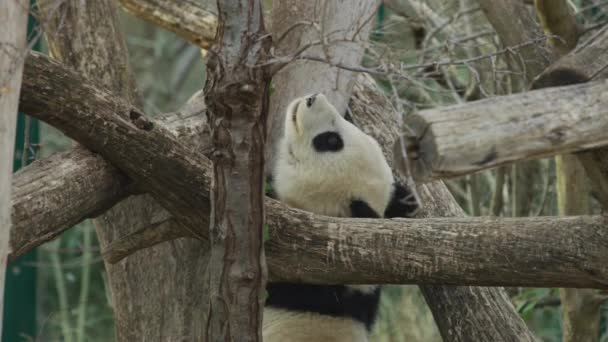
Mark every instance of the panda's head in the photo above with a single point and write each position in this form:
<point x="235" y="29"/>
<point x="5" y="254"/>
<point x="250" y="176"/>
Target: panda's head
<point x="312" y="119"/>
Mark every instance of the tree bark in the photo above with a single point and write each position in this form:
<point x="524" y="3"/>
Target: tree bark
<point x="185" y="17"/>
<point x="458" y="140"/>
<point x="516" y="24"/>
<point x="13" y="16"/>
<point x="580" y="308"/>
<point x="481" y="314"/>
<point x="587" y="62"/>
<point x="147" y="307"/>
<point x="236" y="93"/>
<point x="109" y="125"/>
<point x="580" y="311"/>
<point x="72" y="186"/>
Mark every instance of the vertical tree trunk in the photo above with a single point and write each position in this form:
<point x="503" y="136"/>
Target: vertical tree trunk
<point x="236" y="95"/>
<point x="581" y="314"/>
<point x="515" y="24"/>
<point x="13" y="16"/>
<point x="580" y="307"/>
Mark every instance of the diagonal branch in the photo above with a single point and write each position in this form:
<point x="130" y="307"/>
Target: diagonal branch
<point x="457" y="251"/>
<point x="186" y="18"/>
<point x="141" y="148"/>
<point x="56" y="193"/>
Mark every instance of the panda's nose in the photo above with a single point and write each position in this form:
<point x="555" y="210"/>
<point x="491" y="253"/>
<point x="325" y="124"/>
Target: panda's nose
<point x="311" y="99"/>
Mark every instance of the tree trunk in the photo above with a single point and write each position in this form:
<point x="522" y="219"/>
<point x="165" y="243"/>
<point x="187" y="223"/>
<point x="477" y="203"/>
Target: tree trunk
<point x="580" y="311"/>
<point x="13" y="16"/>
<point x="236" y="95"/>
<point x="147" y="307"/>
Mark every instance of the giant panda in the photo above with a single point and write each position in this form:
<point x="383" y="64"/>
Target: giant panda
<point x="327" y="166"/>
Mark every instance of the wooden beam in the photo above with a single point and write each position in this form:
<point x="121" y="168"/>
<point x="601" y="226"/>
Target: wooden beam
<point x="463" y="139"/>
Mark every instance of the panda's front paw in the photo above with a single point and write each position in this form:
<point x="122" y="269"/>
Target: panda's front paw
<point x="403" y="202"/>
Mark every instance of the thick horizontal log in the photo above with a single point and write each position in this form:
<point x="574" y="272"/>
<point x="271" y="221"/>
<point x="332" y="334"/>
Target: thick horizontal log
<point x="186" y="18"/>
<point x="518" y="252"/>
<point x="474" y="251"/>
<point x="462" y="139"/>
<point x="176" y="176"/>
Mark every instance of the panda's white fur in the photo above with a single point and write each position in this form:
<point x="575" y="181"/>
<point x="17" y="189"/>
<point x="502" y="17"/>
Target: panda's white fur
<point x="325" y="183"/>
<point x="282" y="325"/>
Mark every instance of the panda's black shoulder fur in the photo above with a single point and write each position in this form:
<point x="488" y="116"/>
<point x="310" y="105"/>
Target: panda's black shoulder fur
<point x="403" y="203"/>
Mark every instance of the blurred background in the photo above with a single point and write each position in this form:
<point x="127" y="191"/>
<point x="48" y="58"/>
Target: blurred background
<point x="58" y="292"/>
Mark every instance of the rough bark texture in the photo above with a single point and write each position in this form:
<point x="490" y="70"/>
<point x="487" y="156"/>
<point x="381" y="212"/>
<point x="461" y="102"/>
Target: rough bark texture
<point x="580" y="311"/>
<point x="185" y="17"/>
<point x="326" y="250"/>
<point x="516" y="24"/>
<point x="138" y="146"/>
<point x="13" y="16"/>
<point x="462" y="139"/>
<point x="587" y="62"/>
<point x="236" y="93"/>
<point x="147" y="306"/>
<point x="53" y="194"/>
<point x="461" y="313"/>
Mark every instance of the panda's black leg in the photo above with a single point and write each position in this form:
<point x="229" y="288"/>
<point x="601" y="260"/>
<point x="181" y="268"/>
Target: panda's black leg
<point x="402" y="204"/>
<point x="361" y="209"/>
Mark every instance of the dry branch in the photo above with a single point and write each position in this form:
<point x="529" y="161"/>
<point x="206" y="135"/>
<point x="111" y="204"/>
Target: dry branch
<point x="186" y="18"/>
<point x="458" y="140"/>
<point x="413" y="243"/>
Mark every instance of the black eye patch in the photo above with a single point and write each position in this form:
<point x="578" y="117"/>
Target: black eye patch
<point x="328" y="142"/>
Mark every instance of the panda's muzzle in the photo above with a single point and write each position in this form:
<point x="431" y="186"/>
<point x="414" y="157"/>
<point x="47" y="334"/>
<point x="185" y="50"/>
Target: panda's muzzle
<point x="311" y="99"/>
